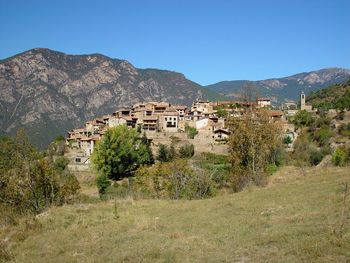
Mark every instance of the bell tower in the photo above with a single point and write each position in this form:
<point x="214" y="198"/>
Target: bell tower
<point x="302" y="100"/>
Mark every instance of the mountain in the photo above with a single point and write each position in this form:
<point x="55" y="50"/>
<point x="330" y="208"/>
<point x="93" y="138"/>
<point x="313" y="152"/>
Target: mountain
<point x="288" y="88"/>
<point x="49" y="92"/>
<point x="334" y="97"/>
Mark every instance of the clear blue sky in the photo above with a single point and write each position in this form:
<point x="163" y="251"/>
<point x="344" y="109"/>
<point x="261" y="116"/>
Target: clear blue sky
<point x="208" y="41"/>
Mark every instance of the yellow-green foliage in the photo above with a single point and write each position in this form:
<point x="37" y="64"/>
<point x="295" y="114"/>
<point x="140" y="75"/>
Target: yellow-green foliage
<point x="172" y="180"/>
<point x="28" y="181"/>
<point x="253" y="143"/>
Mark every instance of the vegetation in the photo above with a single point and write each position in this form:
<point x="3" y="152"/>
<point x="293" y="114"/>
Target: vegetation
<point x="296" y="219"/>
<point x="120" y="152"/>
<point x="174" y="180"/>
<point x="191" y="131"/>
<point x="165" y="153"/>
<point x="302" y="119"/>
<point x="334" y="97"/>
<point x="186" y="151"/>
<point x="221" y="112"/>
<point x="340" y="157"/>
<point x="253" y="144"/>
<point x="30" y="182"/>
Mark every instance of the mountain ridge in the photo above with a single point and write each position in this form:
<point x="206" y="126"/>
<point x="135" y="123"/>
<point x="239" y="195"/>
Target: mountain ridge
<point x="49" y="92"/>
<point x="285" y="88"/>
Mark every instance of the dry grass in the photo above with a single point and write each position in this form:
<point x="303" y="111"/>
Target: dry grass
<point x="291" y="220"/>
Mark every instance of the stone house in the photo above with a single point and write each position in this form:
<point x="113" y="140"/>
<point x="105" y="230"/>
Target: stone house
<point x="170" y="120"/>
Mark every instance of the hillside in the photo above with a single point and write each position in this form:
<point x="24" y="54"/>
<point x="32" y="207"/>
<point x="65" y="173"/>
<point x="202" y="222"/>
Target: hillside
<point x="50" y="92"/>
<point x="334" y="97"/>
<point x="287" y="88"/>
<point x="295" y="219"/>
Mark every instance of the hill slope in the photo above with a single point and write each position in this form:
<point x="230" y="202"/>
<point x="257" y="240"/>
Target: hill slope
<point x="296" y="219"/>
<point x="334" y="97"/>
<point x="288" y="88"/>
<point x="49" y="92"/>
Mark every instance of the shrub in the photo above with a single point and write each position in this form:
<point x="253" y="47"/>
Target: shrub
<point x="191" y="131"/>
<point x="339" y="157"/>
<point x="28" y="181"/>
<point x="287" y="139"/>
<point x="165" y="153"/>
<point x="344" y="129"/>
<point x="315" y="156"/>
<point x="302" y="118"/>
<point x="174" y="180"/>
<point x="61" y="163"/>
<point x="103" y="183"/>
<point x="323" y="135"/>
<point x="186" y="151"/>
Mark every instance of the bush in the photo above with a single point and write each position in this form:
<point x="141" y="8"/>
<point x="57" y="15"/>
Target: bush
<point x="287" y="139"/>
<point x="344" y="129"/>
<point x="61" y="163"/>
<point x="30" y="182"/>
<point x="103" y="183"/>
<point x="165" y="153"/>
<point x="191" y="131"/>
<point x="315" y="156"/>
<point x="339" y="157"/>
<point x="302" y="118"/>
<point x="323" y="135"/>
<point x="174" y="180"/>
<point x="186" y="151"/>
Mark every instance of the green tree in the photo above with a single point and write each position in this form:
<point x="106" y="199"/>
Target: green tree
<point x="221" y="112"/>
<point x="186" y="151"/>
<point x="302" y="118"/>
<point x="120" y="152"/>
<point x="165" y="154"/>
<point x="102" y="182"/>
<point x="191" y="131"/>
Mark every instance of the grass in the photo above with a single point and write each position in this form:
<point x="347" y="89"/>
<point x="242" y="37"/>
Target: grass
<point x="295" y="218"/>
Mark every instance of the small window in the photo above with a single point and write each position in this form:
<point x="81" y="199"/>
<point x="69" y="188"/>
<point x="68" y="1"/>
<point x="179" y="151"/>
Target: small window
<point x="77" y="160"/>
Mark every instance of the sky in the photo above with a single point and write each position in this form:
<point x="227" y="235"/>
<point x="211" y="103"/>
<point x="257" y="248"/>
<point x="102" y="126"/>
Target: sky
<point x="206" y="40"/>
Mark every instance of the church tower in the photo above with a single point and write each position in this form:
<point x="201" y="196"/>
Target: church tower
<point x="302" y="101"/>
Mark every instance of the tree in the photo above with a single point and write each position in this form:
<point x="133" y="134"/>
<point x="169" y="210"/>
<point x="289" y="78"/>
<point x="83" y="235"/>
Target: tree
<point x="29" y="181"/>
<point x="302" y="119"/>
<point x="120" y="152"/>
<point x="191" y="131"/>
<point x="186" y="151"/>
<point x="221" y="112"/>
<point x="252" y="142"/>
<point x="165" y="154"/>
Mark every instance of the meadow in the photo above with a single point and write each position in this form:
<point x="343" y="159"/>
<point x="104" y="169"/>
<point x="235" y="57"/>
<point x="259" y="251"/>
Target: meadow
<point x="298" y="217"/>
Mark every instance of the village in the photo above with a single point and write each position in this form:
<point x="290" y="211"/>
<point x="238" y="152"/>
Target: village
<point x="161" y="122"/>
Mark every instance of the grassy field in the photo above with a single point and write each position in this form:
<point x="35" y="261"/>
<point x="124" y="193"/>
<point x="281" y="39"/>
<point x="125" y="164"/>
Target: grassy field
<point x="295" y="218"/>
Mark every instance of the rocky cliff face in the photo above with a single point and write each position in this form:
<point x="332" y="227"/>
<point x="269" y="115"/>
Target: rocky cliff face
<point x="49" y="92"/>
<point x="288" y="88"/>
